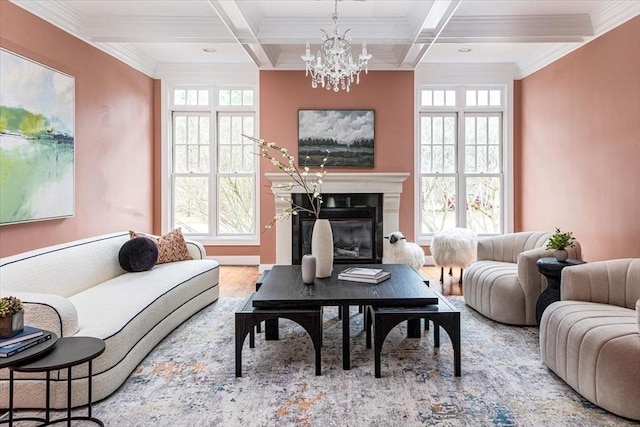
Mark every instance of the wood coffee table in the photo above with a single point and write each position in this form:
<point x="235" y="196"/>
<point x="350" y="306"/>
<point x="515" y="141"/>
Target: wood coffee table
<point x="283" y="288"/>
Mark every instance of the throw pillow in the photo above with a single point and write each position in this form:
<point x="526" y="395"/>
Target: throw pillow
<point x="171" y="246"/>
<point x="139" y="254"/>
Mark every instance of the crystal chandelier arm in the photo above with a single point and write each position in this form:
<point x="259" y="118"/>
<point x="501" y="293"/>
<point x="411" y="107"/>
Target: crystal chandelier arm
<point x="334" y="66"/>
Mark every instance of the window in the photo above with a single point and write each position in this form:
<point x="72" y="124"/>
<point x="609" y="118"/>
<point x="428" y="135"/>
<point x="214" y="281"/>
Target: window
<point x="460" y="160"/>
<point x="213" y="167"/>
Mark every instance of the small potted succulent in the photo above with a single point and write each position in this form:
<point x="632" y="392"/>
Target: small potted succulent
<point x="559" y="242"/>
<point x="11" y="317"/>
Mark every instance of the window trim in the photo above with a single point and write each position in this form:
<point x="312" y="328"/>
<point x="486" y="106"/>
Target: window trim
<point x="166" y="186"/>
<point x="507" y="170"/>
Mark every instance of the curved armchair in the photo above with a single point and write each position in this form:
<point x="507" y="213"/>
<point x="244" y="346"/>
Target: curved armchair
<point x="504" y="284"/>
<point x="591" y="338"/>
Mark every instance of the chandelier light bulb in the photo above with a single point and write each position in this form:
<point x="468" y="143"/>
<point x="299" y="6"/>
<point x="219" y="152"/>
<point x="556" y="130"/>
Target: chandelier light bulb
<point x="333" y="67"/>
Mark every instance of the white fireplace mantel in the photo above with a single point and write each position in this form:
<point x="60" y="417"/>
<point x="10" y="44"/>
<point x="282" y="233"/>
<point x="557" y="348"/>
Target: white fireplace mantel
<point x="387" y="183"/>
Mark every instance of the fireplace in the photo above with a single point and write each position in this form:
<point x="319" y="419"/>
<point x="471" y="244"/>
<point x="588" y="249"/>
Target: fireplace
<point x="356" y="224"/>
<point x="389" y="184"/>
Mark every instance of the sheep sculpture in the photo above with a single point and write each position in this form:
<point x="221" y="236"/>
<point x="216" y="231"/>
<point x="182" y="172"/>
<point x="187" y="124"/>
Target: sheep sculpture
<point x="399" y="251"/>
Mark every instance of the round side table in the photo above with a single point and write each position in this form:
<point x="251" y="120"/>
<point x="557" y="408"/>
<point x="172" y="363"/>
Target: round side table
<point x="23" y="357"/>
<point x="67" y="353"/>
<point x="551" y="268"/>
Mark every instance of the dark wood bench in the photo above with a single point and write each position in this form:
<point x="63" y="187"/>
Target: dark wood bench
<point x="384" y="319"/>
<point x="248" y="317"/>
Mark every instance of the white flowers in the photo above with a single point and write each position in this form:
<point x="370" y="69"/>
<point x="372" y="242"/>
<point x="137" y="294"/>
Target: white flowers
<point x="298" y="179"/>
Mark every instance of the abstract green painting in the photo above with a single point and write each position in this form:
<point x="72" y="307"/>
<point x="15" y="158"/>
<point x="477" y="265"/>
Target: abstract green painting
<point x="37" y="107"/>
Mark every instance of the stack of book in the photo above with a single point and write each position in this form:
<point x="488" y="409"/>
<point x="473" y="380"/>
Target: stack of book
<point x="365" y="275"/>
<point x="29" y="337"/>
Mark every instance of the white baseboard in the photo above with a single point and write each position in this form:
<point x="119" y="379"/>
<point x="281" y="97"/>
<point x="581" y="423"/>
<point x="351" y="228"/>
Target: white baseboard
<point x="428" y="261"/>
<point x="236" y="259"/>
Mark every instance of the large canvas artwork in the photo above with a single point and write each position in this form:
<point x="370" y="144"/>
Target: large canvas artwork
<point x="36" y="141"/>
<point x="348" y="134"/>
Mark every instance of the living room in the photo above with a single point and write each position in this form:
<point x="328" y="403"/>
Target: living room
<point x="575" y="142"/>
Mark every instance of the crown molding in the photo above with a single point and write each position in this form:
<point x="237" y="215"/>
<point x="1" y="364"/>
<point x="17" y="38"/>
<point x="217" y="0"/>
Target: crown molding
<point x="130" y="55"/>
<point x="54" y="12"/>
<point x="613" y="14"/>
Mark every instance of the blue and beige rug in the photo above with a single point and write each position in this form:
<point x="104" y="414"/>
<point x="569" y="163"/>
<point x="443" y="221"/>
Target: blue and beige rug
<point x="188" y="380"/>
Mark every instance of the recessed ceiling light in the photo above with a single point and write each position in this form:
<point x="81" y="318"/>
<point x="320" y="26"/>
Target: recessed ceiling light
<point x="209" y="49"/>
<point x="464" y="50"/>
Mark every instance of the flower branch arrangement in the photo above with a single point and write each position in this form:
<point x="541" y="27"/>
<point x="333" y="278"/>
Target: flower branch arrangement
<point x="309" y="182"/>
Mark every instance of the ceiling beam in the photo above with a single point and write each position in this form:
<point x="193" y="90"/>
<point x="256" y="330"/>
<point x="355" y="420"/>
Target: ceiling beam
<point x="439" y="15"/>
<point x="513" y="29"/>
<point x="232" y="17"/>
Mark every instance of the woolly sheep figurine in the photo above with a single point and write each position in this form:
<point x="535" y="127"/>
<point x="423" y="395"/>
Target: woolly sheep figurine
<point x="399" y="251"/>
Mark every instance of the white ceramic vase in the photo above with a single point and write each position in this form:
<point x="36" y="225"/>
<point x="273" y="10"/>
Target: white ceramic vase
<point x="308" y="268"/>
<point x="322" y="247"/>
<point x="561" y="254"/>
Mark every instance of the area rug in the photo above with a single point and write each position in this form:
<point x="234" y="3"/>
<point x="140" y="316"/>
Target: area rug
<point x="189" y="379"/>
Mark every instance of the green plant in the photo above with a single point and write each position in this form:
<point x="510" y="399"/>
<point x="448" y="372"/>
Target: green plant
<point x="10" y="306"/>
<point x="561" y="240"/>
<point x="310" y="183"/>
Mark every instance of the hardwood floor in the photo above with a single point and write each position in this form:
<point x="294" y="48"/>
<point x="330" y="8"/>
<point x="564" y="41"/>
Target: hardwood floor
<point x="239" y="281"/>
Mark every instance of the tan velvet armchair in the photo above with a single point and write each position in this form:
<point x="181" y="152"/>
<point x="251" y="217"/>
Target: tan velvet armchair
<point x="504" y="283"/>
<point x="591" y="338"/>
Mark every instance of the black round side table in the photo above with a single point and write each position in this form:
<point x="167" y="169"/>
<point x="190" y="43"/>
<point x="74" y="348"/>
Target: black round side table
<point x="23" y="357"/>
<point x="551" y="268"/>
<point x="67" y="353"/>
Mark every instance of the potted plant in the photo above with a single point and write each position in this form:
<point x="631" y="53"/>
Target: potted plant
<point x="559" y="242"/>
<point x="11" y="317"/>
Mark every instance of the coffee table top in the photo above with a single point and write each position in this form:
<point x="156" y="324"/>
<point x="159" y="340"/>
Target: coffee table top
<point x="283" y="287"/>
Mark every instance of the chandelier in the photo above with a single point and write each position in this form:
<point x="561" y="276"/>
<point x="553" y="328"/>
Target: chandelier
<point x="333" y="67"/>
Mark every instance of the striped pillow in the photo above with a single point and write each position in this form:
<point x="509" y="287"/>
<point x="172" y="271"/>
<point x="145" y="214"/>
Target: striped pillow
<point x="171" y="246"/>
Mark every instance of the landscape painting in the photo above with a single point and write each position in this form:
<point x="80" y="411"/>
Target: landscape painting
<point x="347" y="134"/>
<point x="37" y="107"/>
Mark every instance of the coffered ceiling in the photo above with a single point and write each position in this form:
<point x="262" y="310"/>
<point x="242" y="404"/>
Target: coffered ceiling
<point x="270" y="34"/>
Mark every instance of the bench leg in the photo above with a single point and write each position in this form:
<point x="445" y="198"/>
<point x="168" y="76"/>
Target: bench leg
<point x="460" y="281"/>
<point x="413" y="328"/>
<point x="242" y="326"/>
<point x="382" y="325"/>
<point x="451" y="324"/>
<point x="271" y="330"/>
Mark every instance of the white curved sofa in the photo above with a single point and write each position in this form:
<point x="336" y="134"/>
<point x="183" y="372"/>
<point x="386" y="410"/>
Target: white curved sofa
<point x="591" y="338"/>
<point x="504" y="283"/>
<point x="79" y="289"/>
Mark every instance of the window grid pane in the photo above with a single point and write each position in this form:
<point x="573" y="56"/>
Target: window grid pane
<point x="483" y="204"/>
<point x="438" y="142"/>
<point x="191" y="204"/>
<point x="482" y="143"/>
<point x="191" y="143"/>
<point x="438" y="201"/>
<point x="236" y="208"/>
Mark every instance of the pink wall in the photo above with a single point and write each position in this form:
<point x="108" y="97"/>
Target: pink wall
<point x="580" y="145"/>
<point x="389" y="93"/>
<point x="113" y="135"/>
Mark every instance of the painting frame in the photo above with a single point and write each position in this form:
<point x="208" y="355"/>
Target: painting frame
<point x="37" y="141"/>
<point x="349" y="135"/>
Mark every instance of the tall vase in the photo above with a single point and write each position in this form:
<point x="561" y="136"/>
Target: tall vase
<point x="322" y="247"/>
